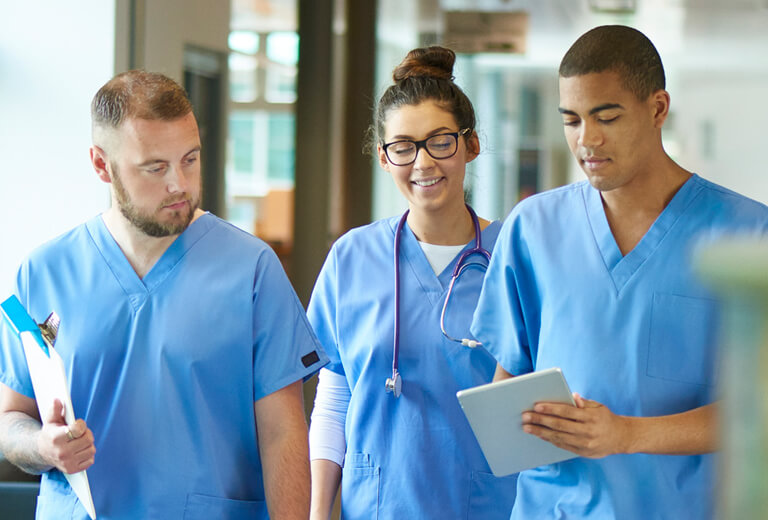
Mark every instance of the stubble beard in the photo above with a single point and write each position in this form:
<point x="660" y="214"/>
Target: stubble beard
<point x="148" y="223"/>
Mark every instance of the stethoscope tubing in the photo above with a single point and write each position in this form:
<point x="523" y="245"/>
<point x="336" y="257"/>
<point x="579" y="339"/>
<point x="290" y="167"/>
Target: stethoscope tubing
<point x="396" y="347"/>
<point x="394" y="383"/>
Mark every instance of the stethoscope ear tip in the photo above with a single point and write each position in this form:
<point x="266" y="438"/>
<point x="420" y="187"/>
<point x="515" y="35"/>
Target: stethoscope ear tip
<point x="471" y="343"/>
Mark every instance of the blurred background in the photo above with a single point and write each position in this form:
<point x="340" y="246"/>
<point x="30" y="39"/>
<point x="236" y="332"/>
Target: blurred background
<point x="283" y="91"/>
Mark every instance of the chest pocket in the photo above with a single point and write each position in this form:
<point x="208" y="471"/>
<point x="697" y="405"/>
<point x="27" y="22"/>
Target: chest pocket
<point x="682" y="339"/>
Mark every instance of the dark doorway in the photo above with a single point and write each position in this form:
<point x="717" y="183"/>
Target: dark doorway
<point x="204" y="79"/>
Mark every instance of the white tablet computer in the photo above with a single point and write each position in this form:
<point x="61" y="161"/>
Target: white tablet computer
<point x="494" y="411"/>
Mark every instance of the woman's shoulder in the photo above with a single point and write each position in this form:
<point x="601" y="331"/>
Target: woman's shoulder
<point x="377" y="232"/>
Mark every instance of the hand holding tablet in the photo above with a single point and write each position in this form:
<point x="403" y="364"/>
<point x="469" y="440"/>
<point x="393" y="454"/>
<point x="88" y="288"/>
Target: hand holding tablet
<point x="494" y="412"/>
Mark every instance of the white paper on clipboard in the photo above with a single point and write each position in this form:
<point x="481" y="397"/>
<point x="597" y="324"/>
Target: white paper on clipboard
<point x="494" y="412"/>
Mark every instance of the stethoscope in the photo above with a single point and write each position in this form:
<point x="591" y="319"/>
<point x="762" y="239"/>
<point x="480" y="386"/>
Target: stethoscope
<point x="394" y="384"/>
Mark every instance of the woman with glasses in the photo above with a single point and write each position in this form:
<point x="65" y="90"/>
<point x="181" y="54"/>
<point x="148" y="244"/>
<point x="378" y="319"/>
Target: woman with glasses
<point x="392" y="307"/>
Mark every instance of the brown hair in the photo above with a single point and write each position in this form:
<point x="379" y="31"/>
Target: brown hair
<point x="138" y="94"/>
<point x="425" y="74"/>
<point x="621" y="49"/>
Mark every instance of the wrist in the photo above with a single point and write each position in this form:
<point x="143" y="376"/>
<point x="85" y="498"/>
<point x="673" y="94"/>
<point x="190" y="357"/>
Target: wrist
<point x="630" y="436"/>
<point x="42" y="457"/>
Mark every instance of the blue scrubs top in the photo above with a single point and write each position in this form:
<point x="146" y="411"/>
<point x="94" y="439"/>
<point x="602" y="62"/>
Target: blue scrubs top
<point x="414" y="456"/>
<point x="635" y="332"/>
<point x="165" y="369"/>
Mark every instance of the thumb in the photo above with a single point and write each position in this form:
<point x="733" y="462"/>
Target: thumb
<point x="78" y="428"/>
<point x="581" y="402"/>
<point x="56" y="413"/>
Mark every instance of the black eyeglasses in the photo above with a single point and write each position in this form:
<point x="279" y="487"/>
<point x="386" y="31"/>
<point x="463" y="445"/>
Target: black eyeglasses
<point x="439" y="146"/>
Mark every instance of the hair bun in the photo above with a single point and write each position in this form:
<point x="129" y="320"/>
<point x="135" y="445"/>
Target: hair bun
<point x="435" y="61"/>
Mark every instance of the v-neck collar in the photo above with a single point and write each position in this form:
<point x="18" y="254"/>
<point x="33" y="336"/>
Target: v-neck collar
<point x="412" y="257"/>
<point x="622" y="268"/>
<point x="138" y="289"/>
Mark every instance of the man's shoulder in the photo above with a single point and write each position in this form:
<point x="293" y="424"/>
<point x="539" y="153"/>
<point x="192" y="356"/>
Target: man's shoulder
<point x="558" y="202"/>
<point x="229" y="236"/>
<point x="729" y="196"/>
<point x="65" y="244"/>
<point x="730" y="206"/>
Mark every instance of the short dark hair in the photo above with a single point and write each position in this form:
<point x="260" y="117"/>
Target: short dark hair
<point x="139" y="94"/>
<point x="425" y="74"/>
<point x="621" y="49"/>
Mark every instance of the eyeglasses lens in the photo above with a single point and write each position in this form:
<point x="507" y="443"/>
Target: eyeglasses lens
<point x="441" y="146"/>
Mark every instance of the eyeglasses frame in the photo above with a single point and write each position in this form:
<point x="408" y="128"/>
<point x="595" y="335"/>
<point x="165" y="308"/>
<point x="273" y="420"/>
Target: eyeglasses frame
<point x="423" y="145"/>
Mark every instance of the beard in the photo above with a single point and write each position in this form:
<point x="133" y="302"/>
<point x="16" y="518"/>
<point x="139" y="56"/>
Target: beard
<point x="146" y="222"/>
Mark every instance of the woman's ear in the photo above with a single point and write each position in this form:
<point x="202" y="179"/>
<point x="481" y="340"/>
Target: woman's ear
<point x="383" y="162"/>
<point x="473" y="146"/>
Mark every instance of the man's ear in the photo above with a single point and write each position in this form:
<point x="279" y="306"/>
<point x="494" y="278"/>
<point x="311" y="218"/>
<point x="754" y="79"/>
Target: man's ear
<point x="382" y="157"/>
<point x="100" y="163"/>
<point x="660" y="103"/>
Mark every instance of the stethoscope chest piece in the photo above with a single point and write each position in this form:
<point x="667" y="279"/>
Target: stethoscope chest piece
<point x="394" y="384"/>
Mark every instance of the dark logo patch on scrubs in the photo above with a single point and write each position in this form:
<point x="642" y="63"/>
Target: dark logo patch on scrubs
<point x="310" y="359"/>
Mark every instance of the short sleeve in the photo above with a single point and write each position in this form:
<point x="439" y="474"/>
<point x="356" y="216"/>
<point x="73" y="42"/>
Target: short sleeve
<point x="498" y="321"/>
<point x="285" y="347"/>
<point x="322" y="311"/>
<point x="13" y="365"/>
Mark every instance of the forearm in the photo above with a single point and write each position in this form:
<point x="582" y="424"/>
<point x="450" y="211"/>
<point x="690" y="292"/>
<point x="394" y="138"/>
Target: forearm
<point x="688" y="433"/>
<point x="326" y="476"/>
<point x="286" y="476"/>
<point x="284" y="449"/>
<point x="327" y="444"/>
<point x="18" y="442"/>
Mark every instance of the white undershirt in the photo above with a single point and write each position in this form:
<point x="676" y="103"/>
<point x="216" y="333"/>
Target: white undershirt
<point x="329" y="415"/>
<point x="440" y="256"/>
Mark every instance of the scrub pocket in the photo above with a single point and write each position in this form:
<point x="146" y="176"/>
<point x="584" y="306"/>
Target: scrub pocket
<point x="681" y="339"/>
<point x="491" y="497"/>
<point x="56" y="505"/>
<point x="360" y="488"/>
<point x="202" y="507"/>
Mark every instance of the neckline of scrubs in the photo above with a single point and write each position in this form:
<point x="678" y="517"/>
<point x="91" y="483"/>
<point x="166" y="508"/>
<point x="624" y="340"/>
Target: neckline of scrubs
<point x="412" y="257"/>
<point x="622" y="268"/>
<point x="138" y="289"/>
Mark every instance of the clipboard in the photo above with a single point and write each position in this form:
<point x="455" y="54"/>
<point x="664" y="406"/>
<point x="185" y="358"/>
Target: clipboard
<point x="49" y="380"/>
<point x="494" y="412"/>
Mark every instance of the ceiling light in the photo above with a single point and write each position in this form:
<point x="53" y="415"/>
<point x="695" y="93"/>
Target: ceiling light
<point x="613" y="6"/>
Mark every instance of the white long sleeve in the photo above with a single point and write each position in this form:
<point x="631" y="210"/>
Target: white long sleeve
<point x="329" y="415"/>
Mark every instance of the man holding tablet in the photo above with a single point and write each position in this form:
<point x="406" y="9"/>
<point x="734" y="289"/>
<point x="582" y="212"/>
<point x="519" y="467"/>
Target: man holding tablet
<point x="596" y="278"/>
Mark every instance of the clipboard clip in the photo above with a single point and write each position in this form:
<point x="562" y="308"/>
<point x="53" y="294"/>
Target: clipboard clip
<point x="45" y="333"/>
<point x="49" y="329"/>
